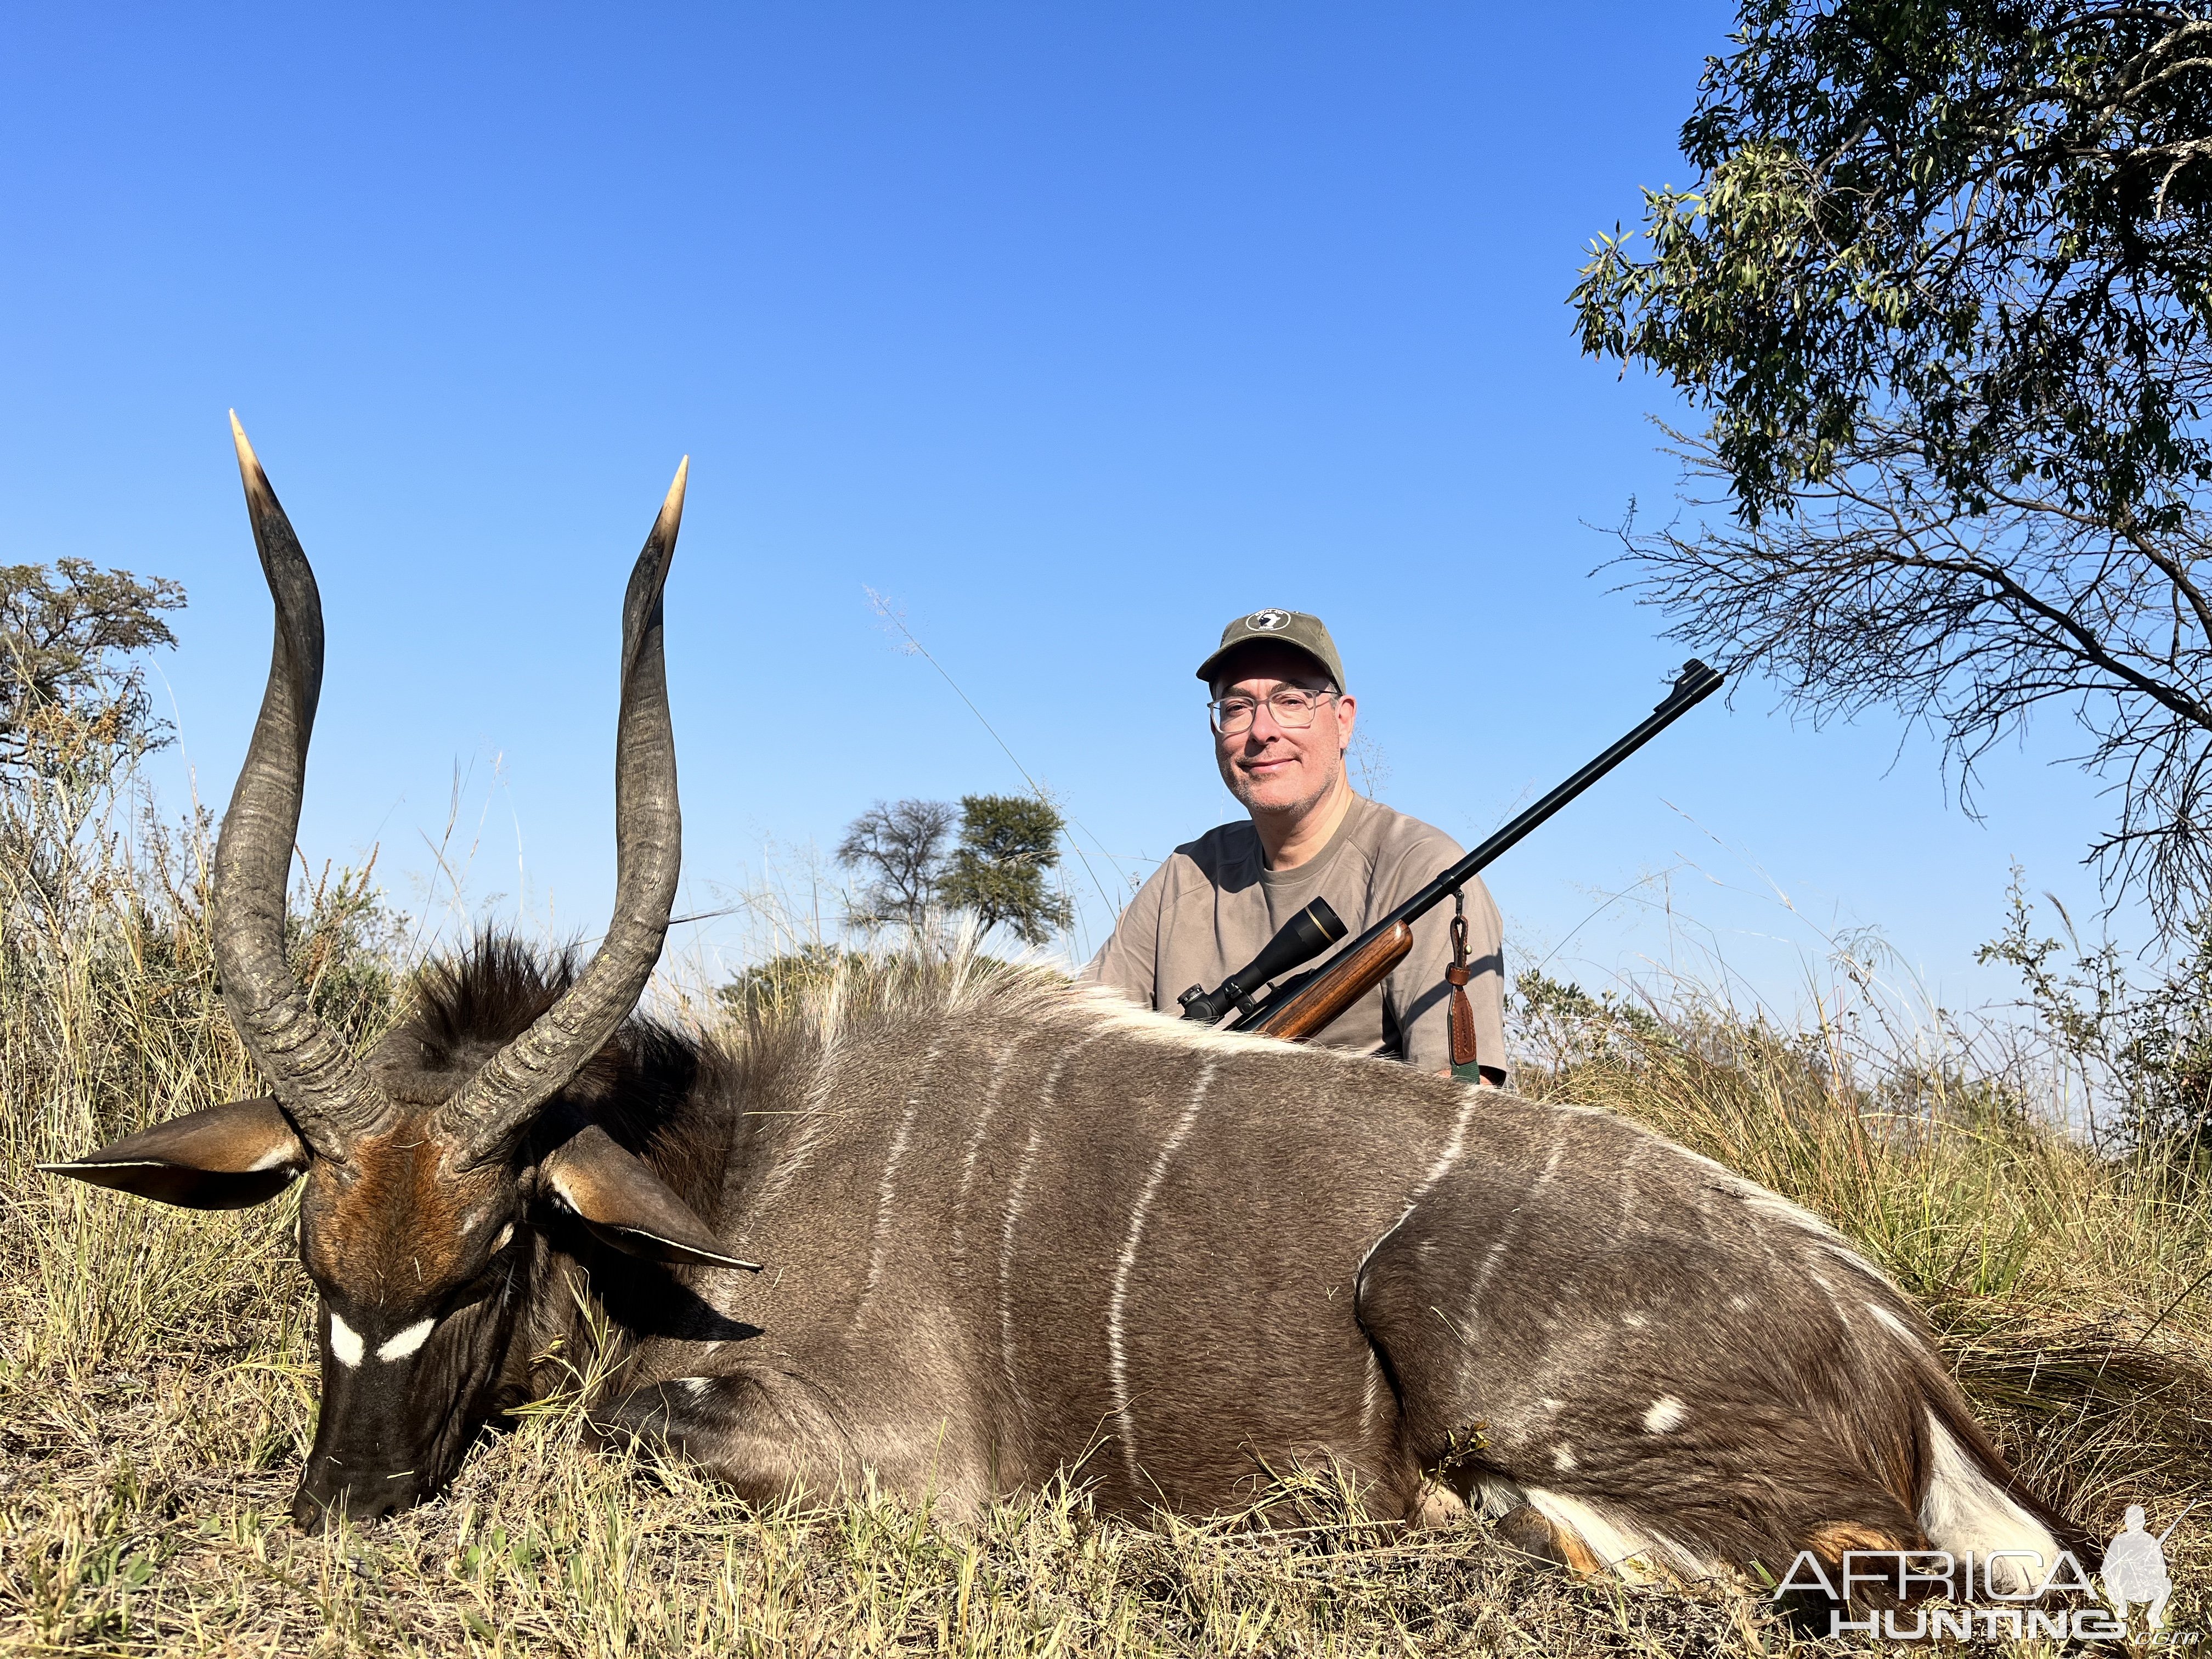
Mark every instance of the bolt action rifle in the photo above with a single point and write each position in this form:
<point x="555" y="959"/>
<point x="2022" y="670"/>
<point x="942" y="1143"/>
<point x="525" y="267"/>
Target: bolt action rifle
<point x="1300" y="1006"/>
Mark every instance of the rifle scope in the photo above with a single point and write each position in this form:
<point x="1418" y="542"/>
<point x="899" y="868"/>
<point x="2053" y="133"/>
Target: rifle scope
<point x="1300" y="941"/>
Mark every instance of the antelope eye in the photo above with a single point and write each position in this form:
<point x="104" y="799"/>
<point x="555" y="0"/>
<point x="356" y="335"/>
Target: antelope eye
<point x="490" y="1280"/>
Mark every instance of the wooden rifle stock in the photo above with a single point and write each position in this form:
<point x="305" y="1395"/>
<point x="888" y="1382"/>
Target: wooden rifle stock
<point x="1336" y="987"/>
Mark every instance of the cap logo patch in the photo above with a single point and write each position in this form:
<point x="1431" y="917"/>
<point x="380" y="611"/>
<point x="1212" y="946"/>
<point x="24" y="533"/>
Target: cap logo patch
<point x="1267" y="622"/>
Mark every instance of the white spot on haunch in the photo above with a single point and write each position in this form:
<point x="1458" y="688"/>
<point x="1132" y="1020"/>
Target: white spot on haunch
<point x="399" y="1346"/>
<point x="1634" y="1321"/>
<point x="1564" y="1458"/>
<point x="1117" y="1356"/>
<point x="501" y="1243"/>
<point x="1739" y="1304"/>
<point x="1666" y="1412"/>
<point x="345" y="1342"/>
<point x="696" y="1385"/>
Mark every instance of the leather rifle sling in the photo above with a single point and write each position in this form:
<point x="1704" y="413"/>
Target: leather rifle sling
<point x="1461" y="1020"/>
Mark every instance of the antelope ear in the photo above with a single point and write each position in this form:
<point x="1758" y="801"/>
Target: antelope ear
<point x="224" y="1157"/>
<point x="627" y="1205"/>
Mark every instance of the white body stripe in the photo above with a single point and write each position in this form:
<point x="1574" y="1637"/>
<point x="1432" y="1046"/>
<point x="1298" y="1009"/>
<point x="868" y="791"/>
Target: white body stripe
<point x="1472" y="1319"/>
<point x="1370" y="1391"/>
<point x="887" y="1188"/>
<point x="983" y="1118"/>
<point x="1007" y="1268"/>
<point x="1117" y="1356"/>
<point x="1891" y="1320"/>
<point x="1437" y="1171"/>
<point x="812" y="1114"/>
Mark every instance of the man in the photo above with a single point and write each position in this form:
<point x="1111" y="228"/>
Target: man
<point x="1282" y="721"/>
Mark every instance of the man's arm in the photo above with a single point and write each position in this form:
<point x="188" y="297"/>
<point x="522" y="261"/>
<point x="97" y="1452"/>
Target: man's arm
<point x="1129" y="960"/>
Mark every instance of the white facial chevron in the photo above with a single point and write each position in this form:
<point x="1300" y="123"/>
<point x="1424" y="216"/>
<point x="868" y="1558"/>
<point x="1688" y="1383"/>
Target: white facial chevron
<point x="408" y="1340"/>
<point x="345" y="1342"/>
<point x="347" y="1345"/>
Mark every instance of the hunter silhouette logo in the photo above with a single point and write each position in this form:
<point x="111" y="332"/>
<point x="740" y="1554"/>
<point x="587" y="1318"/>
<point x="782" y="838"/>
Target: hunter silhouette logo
<point x="2135" y="1572"/>
<point x="1267" y="622"/>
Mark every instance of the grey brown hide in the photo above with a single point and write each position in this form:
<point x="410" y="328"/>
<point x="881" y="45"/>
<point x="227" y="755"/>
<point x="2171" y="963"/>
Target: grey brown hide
<point x="1011" y="1232"/>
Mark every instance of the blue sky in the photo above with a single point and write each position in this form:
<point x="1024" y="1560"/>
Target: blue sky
<point x="1073" y="331"/>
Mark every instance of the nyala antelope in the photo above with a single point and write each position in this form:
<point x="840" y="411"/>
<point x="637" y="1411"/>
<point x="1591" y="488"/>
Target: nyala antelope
<point x="1009" y="1229"/>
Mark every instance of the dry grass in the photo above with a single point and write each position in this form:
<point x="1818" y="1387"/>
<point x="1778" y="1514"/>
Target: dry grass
<point x="157" y="1389"/>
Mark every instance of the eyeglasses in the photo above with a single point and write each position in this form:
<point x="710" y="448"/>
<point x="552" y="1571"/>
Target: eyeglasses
<point x="1293" y="710"/>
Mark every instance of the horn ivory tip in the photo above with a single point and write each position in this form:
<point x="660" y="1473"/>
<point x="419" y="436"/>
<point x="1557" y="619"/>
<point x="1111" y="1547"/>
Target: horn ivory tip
<point x="249" y="464"/>
<point x="671" y="509"/>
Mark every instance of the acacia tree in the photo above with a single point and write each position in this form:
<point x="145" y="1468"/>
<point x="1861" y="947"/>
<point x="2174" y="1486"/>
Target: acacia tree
<point x="1007" y="844"/>
<point x="1943" y="288"/>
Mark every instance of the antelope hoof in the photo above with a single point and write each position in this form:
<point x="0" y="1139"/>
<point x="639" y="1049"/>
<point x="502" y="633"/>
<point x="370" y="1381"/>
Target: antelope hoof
<point x="1436" y="1505"/>
<point x="1523" y="1527"/>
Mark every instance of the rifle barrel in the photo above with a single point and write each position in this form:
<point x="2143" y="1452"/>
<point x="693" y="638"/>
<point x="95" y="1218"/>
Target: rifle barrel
<point x="1692" y="686"/>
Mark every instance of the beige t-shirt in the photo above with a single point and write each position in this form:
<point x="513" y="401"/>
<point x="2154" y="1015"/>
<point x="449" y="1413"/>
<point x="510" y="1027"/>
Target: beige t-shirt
<point x="1209" y="908"/>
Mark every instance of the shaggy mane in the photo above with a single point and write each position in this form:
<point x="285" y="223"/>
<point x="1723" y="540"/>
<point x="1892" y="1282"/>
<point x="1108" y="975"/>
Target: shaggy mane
<point x="464" y="1008"/>
<point x="491" y="992"/>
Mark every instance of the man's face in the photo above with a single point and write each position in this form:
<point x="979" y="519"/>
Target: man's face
<point x="1269" y="767"/>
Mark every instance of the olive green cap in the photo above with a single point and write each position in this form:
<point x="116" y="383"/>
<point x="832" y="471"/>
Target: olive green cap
<point x="1295" y="628"/>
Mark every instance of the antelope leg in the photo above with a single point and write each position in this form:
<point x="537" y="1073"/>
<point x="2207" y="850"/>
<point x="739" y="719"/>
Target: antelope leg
<point x="768" y="1434"/>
